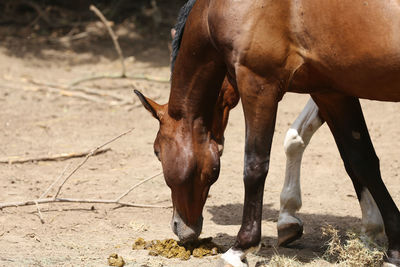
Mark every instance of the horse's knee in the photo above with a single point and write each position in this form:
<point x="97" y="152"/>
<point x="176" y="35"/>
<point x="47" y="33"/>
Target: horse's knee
<point x="293" y="143"/>
<point x="255" y="171"/>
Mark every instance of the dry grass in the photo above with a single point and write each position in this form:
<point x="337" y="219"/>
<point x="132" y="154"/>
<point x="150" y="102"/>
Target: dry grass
<point x="283" y="261"/>
<point x="352" y="252"/>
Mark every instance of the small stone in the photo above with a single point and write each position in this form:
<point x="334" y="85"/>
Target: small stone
<point x="139" y="244"/>
<point x="115" y="260"/>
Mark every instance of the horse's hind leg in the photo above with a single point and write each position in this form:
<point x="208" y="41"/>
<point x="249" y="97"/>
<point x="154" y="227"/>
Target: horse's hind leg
<point x="345" y="119"/>
<point x="290" y="227"/>
<point x="371" y="220"/>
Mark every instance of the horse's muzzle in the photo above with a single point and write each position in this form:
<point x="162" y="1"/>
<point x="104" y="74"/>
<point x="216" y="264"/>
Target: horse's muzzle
<point x="186" y="233"/>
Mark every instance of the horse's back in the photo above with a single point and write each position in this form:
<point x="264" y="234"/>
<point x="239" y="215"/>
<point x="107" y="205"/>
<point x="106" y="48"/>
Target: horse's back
<point x="354" y="45"/>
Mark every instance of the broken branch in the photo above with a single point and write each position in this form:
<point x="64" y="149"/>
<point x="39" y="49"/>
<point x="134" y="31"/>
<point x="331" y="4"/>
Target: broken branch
<point x="93" y="152"/>
<point x="76" y="200"/>
<point x="84" y="93"/>
<point x="57" y="157"/>
<point x="113" y="37"/>
<point x="54" y="183"/>
<point x="56" y="199"/>
<point x="116" y="76"/>
<point x="136" y="185"/>
<point x="123" y="74"/>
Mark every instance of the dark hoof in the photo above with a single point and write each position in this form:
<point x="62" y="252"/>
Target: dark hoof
<point x="392" y="258"/>
<point x="288" y="233"/>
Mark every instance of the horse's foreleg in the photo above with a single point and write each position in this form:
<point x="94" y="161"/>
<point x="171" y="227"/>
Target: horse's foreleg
<point x="227" y="99"/>
<point x="345" y="119"/>
<point x="290" y="227"/>
<point x="260" y="101"/>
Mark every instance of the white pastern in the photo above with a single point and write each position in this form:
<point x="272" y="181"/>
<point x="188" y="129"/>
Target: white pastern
<point x="287" y="218"/>
<point x="237" y="258"/>
<point x="372" y="223"/>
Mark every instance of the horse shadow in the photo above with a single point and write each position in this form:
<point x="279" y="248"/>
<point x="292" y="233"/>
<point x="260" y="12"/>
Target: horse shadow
<point x="310" y="246"/>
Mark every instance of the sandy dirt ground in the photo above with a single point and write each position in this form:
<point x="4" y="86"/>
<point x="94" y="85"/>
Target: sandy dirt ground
<point x="36" y="122"/>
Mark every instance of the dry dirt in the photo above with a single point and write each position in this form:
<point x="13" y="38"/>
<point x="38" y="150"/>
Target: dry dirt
<point x="35" y="123"/>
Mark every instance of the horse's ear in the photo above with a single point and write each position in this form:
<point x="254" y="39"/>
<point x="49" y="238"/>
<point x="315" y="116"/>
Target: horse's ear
<point x="155" y="109"/>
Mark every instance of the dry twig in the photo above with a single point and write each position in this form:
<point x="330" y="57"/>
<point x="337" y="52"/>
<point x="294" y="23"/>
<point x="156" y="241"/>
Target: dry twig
<point x="55" y="182"/>
<point x="88" y="94"/>
<point x="41" y="14"/>
<point x="123" y="74"/>
<point x="56" y="199"/>
<point x="113" y="37"/>
<point x="69" y="38"/>
<point x="85" y="93"/>
<point x="117" y="48"/>
<point x="136" y="185"/>
<point x="75" y="200"/>
<point x="71" y="93"/>
<point x="116" y="76"/>
<point x="93" y="152"/>
<point x="39" y="213"/>
<point x="57" y="157"/>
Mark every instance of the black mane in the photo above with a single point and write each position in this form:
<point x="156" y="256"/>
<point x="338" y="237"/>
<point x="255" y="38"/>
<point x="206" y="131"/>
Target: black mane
<point x="179" y="27"/>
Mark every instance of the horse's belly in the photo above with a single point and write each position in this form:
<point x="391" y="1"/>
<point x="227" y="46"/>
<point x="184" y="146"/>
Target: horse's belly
<point x="371" y="76"/>
<point x="383" y="88"/>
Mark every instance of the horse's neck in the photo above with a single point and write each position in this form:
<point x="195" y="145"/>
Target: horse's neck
<point x="198" y="71"/>
<point x="195" y="90"/>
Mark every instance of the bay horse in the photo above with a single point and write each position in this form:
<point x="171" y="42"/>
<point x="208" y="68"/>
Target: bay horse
<point x="289" y="226"/>
<point x="336" y="51"/>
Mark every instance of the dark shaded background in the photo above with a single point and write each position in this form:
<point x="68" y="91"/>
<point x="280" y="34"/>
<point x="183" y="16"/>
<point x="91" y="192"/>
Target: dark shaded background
<point x="29" y="26"/>
<point x="63" y="14"/>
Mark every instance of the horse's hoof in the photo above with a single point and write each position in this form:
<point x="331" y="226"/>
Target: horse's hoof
<point x="392" y="258"/>
<point x="288" y="233"/>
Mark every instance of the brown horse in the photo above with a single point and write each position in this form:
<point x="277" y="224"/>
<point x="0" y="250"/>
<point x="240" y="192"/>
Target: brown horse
<point x="289" y="226"/>
<point x="337" y="51"/>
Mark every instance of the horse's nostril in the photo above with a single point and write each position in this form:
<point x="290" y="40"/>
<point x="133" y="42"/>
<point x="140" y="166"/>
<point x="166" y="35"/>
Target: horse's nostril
<point x="175" y="226"/>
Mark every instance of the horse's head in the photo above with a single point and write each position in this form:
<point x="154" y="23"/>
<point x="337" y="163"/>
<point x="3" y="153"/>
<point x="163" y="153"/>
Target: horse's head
<point x="190" y="162"/>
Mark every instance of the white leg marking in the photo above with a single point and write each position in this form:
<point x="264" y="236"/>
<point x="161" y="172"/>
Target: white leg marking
<point x="237" y="257"/>
<point x="372" y="223"/>
<point x="296" y="140"/>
